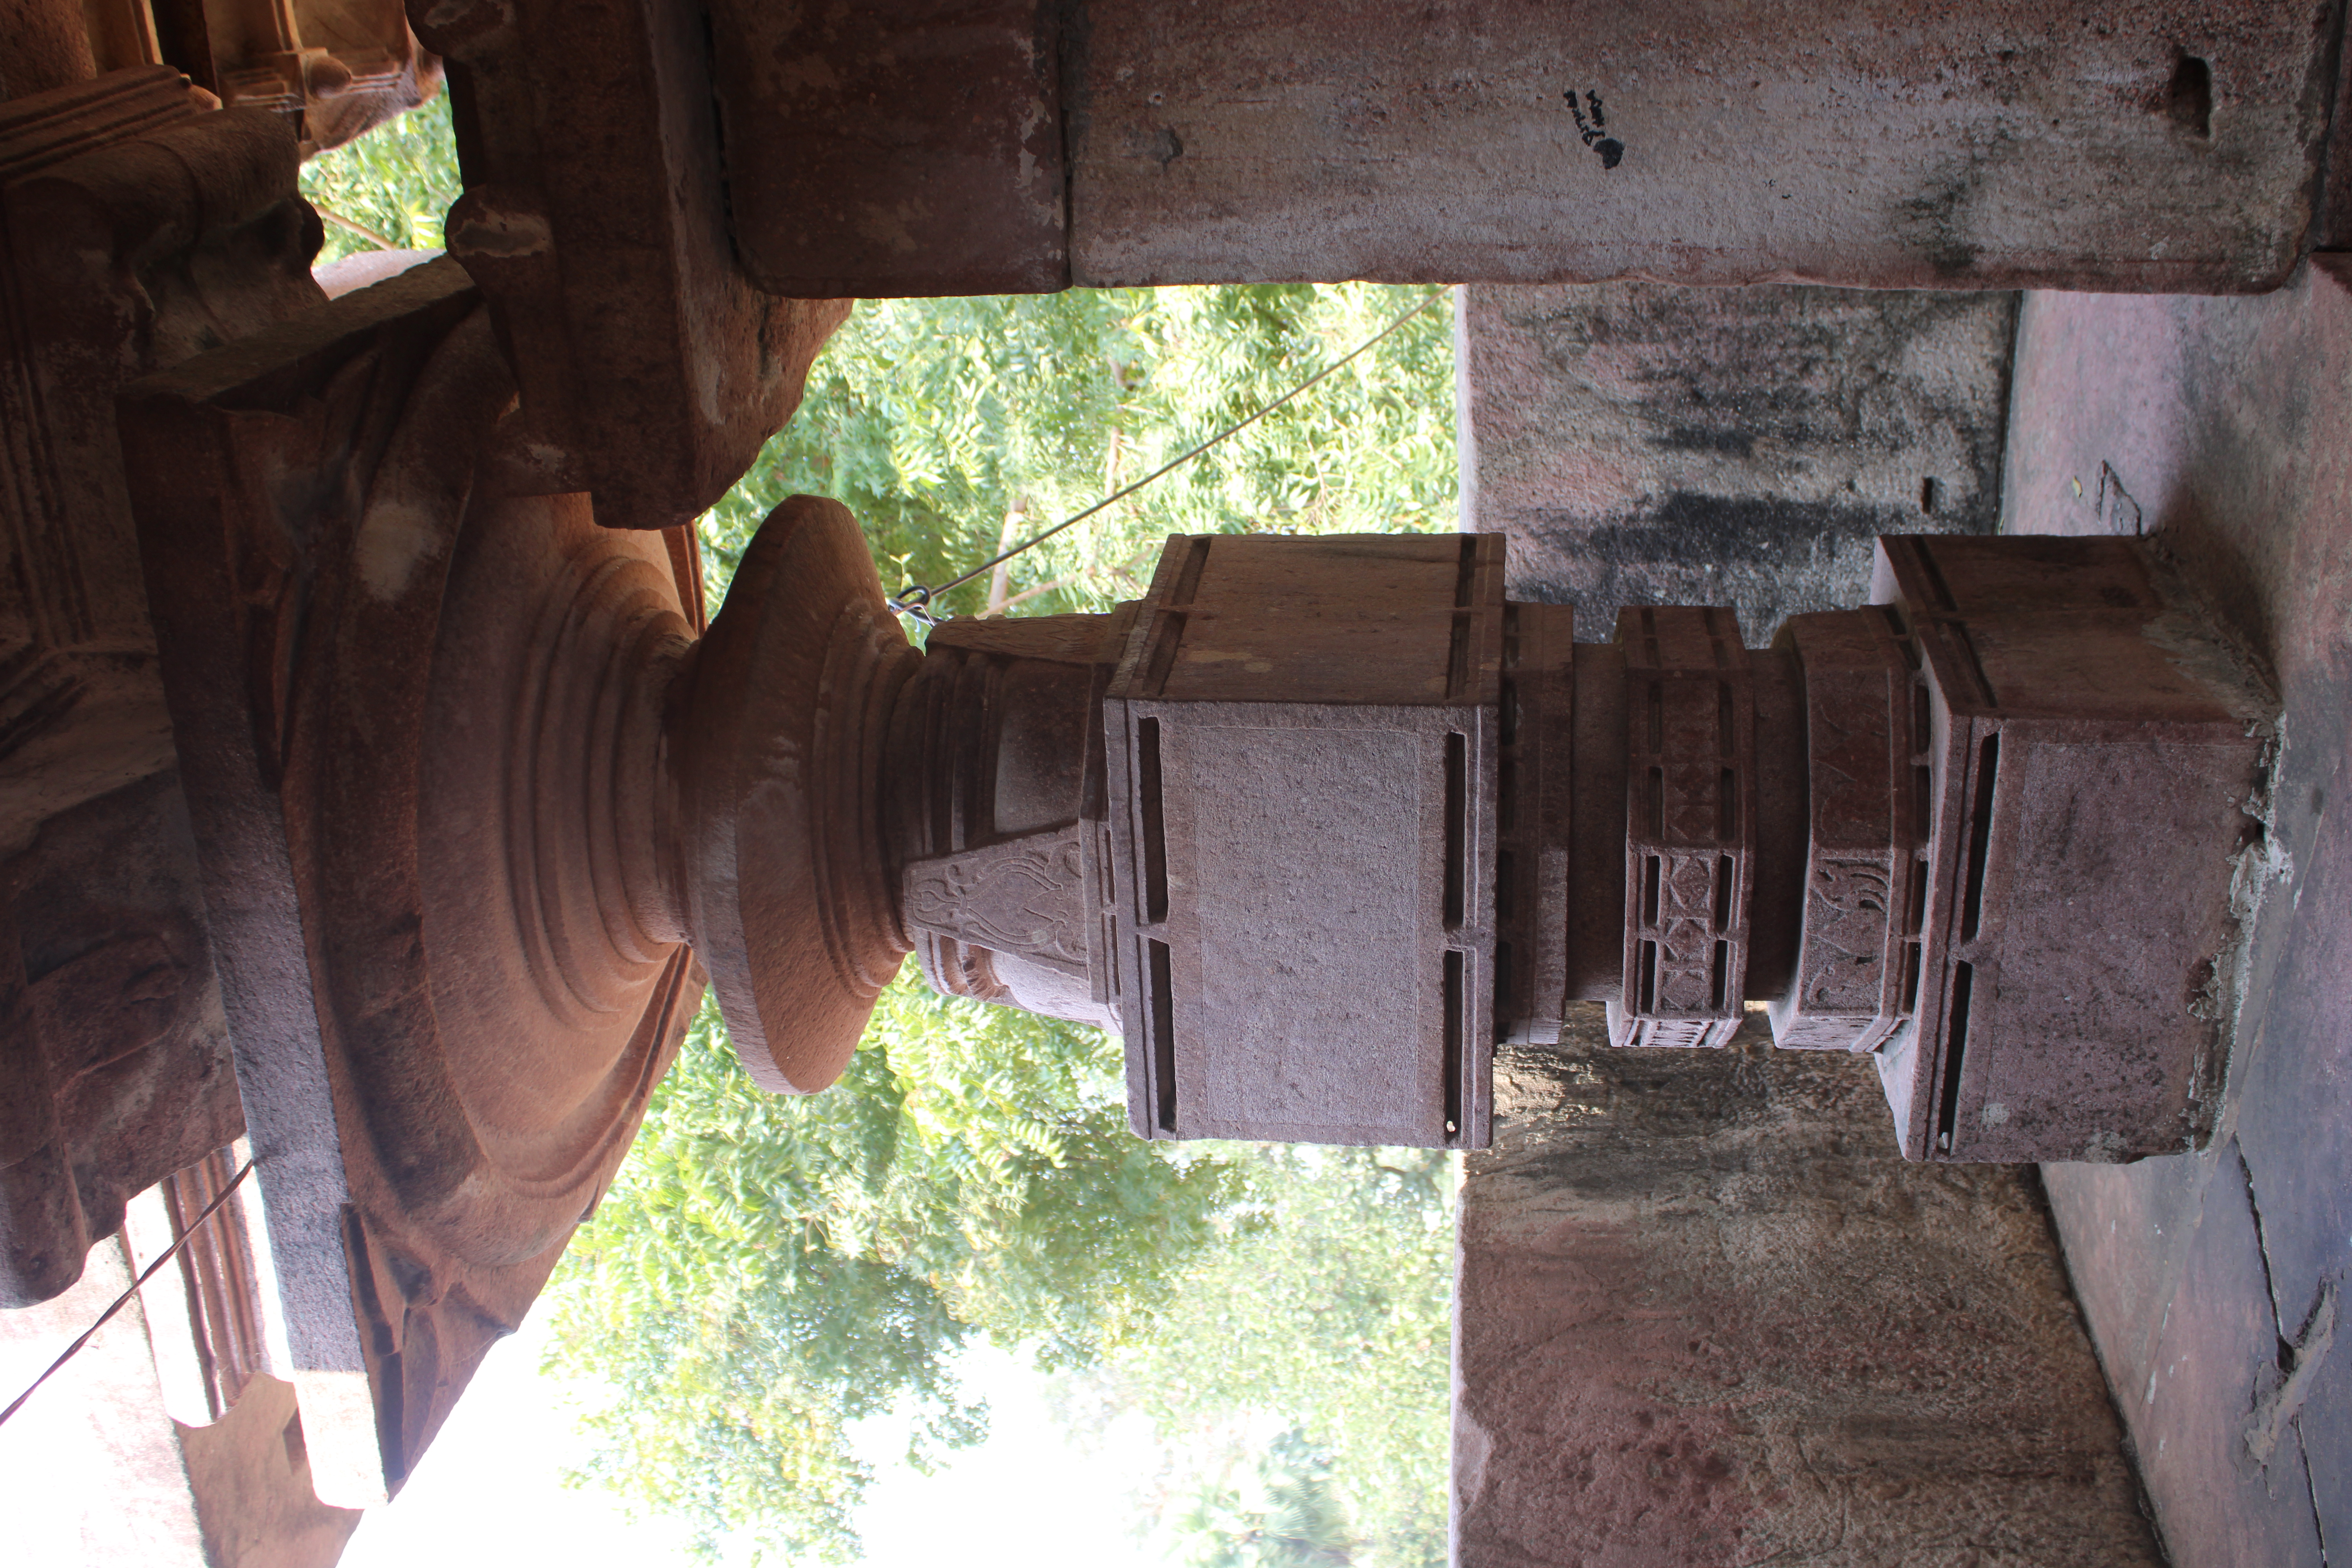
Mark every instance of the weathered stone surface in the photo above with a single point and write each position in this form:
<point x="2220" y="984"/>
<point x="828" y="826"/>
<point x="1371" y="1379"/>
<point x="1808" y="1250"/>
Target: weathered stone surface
<point x="135" y="228"/>
<point x="1706" y="1313"/>
<point x="2097" y="745"/>
<point x="1866" y="861"/>
<point x="420" y="725"/>
<point x="784" y="885"/>
<point x="1649" y="445"/>
<point x="1691" y="827"/>
<point x="2213" y="427"/>
<point x="139" y="229"/>
<point x="994" y="889"/>
<point x="922" y="148"/>
<point x="43" y="44"/>
<point x="104" y="1471"/>
<point x="115" y="1067"/>
<point x="650" y="368"/>
<point x="884" y="151"/>
<point x="2151" y="144"/>
<point x="1301" y="737"/>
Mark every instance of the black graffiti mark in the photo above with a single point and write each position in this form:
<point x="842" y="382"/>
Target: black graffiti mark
<point x="1595" y="130"/>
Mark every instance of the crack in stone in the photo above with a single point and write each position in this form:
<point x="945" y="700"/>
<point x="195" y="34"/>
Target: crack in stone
<point x="2318" y="1521"/>
<point x="2277" y="1409"/>
<point x="2263" y="1250"/>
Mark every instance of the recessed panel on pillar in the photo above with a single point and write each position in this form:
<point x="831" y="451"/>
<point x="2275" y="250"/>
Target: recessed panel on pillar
<point x="1301" y="743"/>
<point x="2099" y="756"/>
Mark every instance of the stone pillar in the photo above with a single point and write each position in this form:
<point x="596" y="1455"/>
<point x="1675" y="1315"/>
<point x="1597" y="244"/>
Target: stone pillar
<point x="1706" y="1314"/>
<point x="2214" y="1284"/>
<point x="1328" y="816"/>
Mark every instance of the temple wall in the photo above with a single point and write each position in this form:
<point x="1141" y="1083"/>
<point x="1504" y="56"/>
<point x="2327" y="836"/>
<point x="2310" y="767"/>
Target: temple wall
<point x="1627" y="1196"/>
<point x="1706" y="1313"/>
<point x="1646" y="444"/>
<point x="102" y="1415"/>
<point x="119" y="1072"/>
<point x="121" y="1479"/>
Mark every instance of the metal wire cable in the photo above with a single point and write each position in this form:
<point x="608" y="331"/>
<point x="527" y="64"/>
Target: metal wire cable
<point x="915" y="601"/>
<point x="120" y="1301"/>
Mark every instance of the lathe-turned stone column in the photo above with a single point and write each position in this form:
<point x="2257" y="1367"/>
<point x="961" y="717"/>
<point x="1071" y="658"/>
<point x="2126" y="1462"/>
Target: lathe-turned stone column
<point x="480" y="801"/>
<point x="1331" y="817"/>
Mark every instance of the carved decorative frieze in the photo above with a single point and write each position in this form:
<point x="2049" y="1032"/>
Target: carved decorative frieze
<point x="1857" y="973"/>
<point x="1690" y="824"/>
<point x="1537" y="874"/>
<point x="1023" y="896"/>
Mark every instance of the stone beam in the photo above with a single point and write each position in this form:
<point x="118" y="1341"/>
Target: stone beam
<point x="2160" y="145"/>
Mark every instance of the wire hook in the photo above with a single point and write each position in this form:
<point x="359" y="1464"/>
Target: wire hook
<point x="914" y="603"/>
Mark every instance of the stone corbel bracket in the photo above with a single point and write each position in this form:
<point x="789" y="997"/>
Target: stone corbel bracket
<point x="479" y="808"/>
<point x="651" y="369"/>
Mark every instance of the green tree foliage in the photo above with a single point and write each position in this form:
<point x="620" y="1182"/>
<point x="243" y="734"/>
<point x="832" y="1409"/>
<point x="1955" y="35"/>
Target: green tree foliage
<point x="1325" y="1307"/>
<point x="396" y="182"/>
<point x="1317" y="1290"/>
<point x="974" y="1171"/>
<point x="765" y="1271"/>
<point x="1283" y="1511"/>
<point x="953" y="427"/>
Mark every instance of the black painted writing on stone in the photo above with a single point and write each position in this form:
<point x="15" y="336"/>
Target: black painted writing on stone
<point x="1592" y="125"/>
